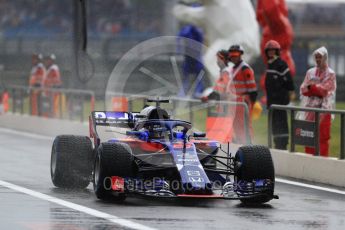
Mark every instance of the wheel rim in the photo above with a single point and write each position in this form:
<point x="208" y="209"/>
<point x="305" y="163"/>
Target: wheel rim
<point x="238" y="163"/>
<point x="53" y="163"/>
<point x="97" y="169"/>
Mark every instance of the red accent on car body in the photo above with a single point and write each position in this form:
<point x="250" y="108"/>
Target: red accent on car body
<point x="151" y="147"/>
<point x="117" y="184"/>
<point x="180" y="145"/>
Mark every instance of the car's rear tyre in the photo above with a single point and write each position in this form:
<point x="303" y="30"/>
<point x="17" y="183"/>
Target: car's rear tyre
<point x="71" y="161"/>
<point x="113" y="159"/>
<point x="252" y="163"/>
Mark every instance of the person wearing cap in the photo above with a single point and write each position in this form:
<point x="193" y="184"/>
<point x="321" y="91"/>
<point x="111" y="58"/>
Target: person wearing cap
<point x="52" y="80"/>
<point x="318" y="91"/>
<point x="223" y="80"/>
<point x="37" y="74"/>
<point x="219" y="90"/>
<point x="279" y="88"/>
<point x="241" y="88"/>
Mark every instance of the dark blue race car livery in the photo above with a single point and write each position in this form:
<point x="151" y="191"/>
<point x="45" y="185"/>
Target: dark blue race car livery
<point x="161" y="157"/>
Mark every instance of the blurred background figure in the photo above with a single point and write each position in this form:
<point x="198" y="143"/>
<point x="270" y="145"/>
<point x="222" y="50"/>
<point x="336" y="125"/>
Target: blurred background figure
<point x="52" y="80"/>
<point x="4" y="103"/>
<point x="37" y="75"/>
<point x="225" y="22"/>
<point x="191" y="66"/>
<point x="272" y="16"/>
<point x="219" y="121"/>
<point x="218" y="92"/>
<point x="224" y="74"/>
<point x="280" y="90"/>
<point x="241" y="88"/>
<point x="318" y="91"/>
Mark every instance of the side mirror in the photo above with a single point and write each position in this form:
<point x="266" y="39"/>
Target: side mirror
<point x="199" y="134"/>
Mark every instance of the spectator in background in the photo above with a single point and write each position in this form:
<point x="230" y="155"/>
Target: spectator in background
<point x="219" y="90"/>
<point x="219" y="123"/>
<point x="241" y="88"/>
<point x="52" y="80"/>
<point x="318" y="91"/>
<point x="106" y="17"/>
<point x="280" y="90"/>
<point x="224" y="76"/>
<point x="37" y="74"/>
<point x="4" y="98"/>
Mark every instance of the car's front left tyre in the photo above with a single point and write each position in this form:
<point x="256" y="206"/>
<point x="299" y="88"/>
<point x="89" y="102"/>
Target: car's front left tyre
<point x="112" y="159"/>
<point x="71" y="161"/>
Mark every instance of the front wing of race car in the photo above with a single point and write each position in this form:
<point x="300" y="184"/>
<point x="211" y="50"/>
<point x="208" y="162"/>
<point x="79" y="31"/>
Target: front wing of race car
<point x="160" y="189"/>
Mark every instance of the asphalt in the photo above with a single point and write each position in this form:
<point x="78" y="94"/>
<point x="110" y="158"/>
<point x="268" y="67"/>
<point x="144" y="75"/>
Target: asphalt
<point x="24" y="162"/>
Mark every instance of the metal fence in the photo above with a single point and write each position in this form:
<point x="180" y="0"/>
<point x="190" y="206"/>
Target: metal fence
<point x="51" y="102"/>
<point x="76" y="104"/>
<point x="293" y="110"/>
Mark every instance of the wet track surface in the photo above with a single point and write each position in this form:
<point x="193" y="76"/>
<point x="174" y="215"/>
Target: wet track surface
<point x="24" y="161"/>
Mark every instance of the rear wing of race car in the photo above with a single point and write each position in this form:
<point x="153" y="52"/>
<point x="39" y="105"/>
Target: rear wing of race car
<point x="118" y="119"/>
<point x="111" y="118"/>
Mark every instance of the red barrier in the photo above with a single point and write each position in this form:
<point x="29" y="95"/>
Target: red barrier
<point x="219" y="128"/>
<point x="120" y="104"/>
<point x="4" y="106"/>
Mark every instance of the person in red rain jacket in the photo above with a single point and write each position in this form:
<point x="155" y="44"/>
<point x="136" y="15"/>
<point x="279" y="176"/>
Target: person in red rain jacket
<point x="37" y="74"/>
<point x="241" y="88"/>
<point x="318" y="91"/>
<point x="52" y="80"/>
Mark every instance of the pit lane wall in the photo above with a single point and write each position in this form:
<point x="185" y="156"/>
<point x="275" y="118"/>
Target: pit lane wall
<point x="302" y="166"/>
<point x="329" y="171"/>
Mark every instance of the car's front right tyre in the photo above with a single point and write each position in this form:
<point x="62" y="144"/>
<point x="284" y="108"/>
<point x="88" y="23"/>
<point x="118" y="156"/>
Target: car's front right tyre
<point x="252" y="163"/>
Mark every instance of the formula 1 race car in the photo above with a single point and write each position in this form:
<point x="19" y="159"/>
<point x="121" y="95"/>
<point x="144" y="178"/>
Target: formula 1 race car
<point x="159" y="157"/>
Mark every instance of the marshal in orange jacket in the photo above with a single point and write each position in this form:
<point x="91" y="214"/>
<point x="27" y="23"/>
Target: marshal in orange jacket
<point x="242" y="84"/>
<point x="52" y="78"/>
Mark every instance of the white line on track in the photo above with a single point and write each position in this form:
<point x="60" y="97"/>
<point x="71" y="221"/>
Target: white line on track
<point x="77" y="207"/>
<point x="310" y="186"/>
